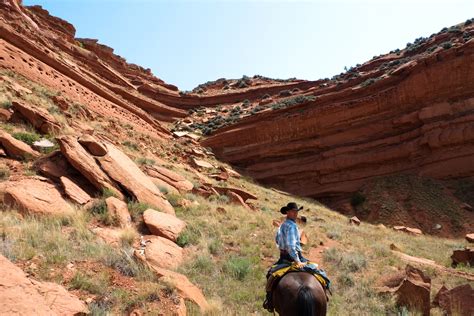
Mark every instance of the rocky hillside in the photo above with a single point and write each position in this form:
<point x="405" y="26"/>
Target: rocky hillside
<point x="112" y="205"/>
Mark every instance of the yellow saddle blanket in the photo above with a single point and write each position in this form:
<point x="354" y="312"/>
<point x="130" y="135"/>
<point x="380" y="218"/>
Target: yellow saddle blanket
<point x="310" y="267"/>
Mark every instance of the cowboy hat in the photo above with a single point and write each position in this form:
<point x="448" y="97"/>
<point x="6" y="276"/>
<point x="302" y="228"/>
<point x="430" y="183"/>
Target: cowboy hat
<point x="290" y="206"/>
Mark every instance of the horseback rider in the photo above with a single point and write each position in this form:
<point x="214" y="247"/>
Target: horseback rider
<point x="288" y="240"/>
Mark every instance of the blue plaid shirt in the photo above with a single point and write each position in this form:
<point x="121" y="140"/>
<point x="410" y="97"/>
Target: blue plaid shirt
<point x="288" y="238"/>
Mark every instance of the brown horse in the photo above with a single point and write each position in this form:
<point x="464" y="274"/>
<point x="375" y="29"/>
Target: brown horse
<point x="299" y="294"/>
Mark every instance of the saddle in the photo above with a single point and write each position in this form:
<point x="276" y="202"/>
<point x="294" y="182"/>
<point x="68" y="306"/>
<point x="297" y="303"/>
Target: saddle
<point x="277" y="271"/>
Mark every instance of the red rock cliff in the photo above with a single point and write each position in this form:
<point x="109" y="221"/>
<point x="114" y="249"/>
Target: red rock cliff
<point x="417" y="118"/>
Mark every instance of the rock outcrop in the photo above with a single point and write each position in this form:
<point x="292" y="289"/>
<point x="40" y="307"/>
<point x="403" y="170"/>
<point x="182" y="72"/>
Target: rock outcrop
<point x="416" y="118"/>
<point x="23" y="296"/>
<point x="123" y="170"/>
<point x="170" y="177"/>
<point x="16" y="148"/>
<point x="83" y="162"/>
<point x="412" y="289"/>
<point x="457" y="301"/>
<point x="162" y="253"/>
<point x="119" y="210"/>
<point x="39" y="119"/>
<point x="36" y="196"/>
<point x="163" y="224"/>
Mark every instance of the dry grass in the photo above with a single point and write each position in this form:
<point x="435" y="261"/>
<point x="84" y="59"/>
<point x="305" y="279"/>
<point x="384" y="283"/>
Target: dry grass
<point x="230" y="252"/>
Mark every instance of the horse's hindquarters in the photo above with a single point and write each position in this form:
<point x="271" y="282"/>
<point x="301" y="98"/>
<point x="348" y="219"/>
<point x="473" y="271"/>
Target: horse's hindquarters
<point x="299" y="294"/>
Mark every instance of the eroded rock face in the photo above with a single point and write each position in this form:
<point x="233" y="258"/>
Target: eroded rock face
<point x="163" y="224"/>
<point x="35" y="196"/>
<point x="22" y="296"/>
<point x="124" y="171"/>
<point x="419" y="118"/>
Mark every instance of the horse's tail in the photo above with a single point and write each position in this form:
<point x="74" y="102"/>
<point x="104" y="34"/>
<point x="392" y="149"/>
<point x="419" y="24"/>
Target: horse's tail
<point x="306" y="301"/>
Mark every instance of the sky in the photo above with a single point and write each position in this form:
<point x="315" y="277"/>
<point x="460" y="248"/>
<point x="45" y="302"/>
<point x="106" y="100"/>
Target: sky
<point x="189" y="42"/>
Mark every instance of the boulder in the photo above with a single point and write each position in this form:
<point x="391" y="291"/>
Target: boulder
<point x="5" y="115"/>
<point x="412" y="289"/>
<point x="60" y="102"/>
<point x="413" y="231"/>
<point x="170" y="177"/>
<point x="163" y="224"/>
<point x="162" y="253"/>
<point x="243" y="194"/>
<point x="185" y="288"/>
<point x="74" y="192"/>
<point x="235" y="198"/>
<point x="119" y="210"/>
<point x="83" y="162"/>
<point x="22" y="296"/>
<point x="93" y="146"/>
<point x="111" y="236"/>
<point x="125" y="172"/>
<point x="231" y="172"/>
<point x="16" y="148"/>
<point x="457" y="301"/>
<point x="37" y="117"/>
<point x="222" y="176"/>
<point x="470" y="237"/>
<point x="35" y="196"/>
<point x="465" y="256"/>
<point x="59" y="299"/>
<point x="201" y="164"/>
<point x="54" y="166"/>
<point x="354" y="221"/>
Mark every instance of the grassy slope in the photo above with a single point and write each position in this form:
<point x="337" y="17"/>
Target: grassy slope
<point x="227" y="253"/>
<point x="358" y="258"/>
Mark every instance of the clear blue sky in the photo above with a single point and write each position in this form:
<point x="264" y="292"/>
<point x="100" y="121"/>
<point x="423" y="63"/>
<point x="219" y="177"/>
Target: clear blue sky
<point x="190" y="42"/>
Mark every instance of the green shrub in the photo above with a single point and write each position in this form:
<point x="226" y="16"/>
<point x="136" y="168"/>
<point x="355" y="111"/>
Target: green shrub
<point x="130" y="145"/>
<point x="99" y="209"/>
<point x="285" y="93"/>
<point x="189" y="236"/>
<point x="27" y="137"/>
<point x="237" y="267"/>
<point x="446" y="45"/>
<point x="145" y="161"/>
<point x="357" y="199"/>
<point x="4" y="173"/>
<point x="203" y="264"/>
<point x="137" y="209"/>
<point x="106" y="192"/>
<point x="6" y="103"/>
<point x="215" y="246"/>
<point x="174" y="199"/>
<point x="94" y="285"/>
<point x="54" y="110"/>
